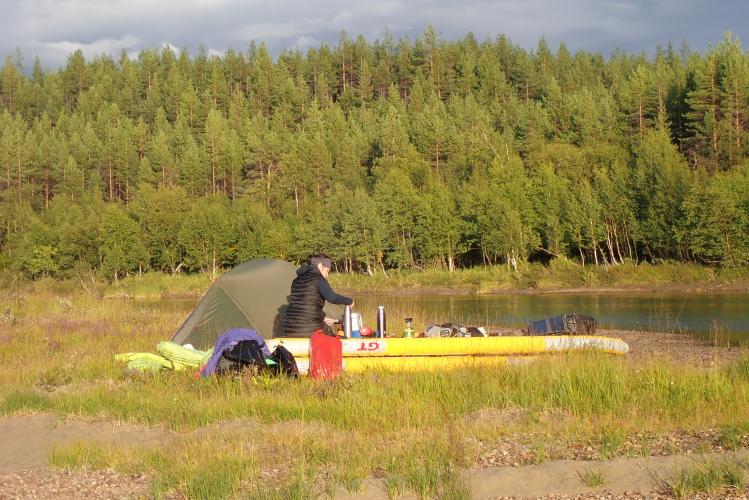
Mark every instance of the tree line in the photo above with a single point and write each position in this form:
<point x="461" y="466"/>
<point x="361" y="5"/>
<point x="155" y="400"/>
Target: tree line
<point x="391" y="154"/>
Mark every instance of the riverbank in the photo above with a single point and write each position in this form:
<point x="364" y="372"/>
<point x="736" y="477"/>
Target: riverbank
<point x="560" y="276"/>
<point x="70" y="413"/>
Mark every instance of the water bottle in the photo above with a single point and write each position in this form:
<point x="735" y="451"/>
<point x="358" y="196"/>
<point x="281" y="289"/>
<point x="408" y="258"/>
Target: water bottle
<point x="408" y="332"/>
<point x="347" y="322"/>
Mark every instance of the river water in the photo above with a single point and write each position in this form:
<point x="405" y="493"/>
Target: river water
<point x="699" y="314"/>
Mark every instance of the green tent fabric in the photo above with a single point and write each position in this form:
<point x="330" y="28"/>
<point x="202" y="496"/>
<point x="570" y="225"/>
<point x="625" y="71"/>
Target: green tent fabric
<point x="251" y="295"/>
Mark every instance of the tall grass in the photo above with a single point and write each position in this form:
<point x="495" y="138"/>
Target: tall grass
<point x="709" y="477"/>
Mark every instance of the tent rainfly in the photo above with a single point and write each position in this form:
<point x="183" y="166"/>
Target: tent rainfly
<point x="254" y="295"/>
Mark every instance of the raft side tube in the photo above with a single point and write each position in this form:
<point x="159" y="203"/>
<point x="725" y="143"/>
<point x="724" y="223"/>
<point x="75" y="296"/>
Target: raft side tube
<point x="460" y="346"/>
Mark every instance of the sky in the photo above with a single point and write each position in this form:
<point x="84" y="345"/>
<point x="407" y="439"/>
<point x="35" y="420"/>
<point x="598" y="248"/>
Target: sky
<point x="53" y="29"/>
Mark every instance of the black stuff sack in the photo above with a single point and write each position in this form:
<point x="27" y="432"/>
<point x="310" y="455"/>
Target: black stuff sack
<point x="285" y="363"/>
<point x="246" y="353"/>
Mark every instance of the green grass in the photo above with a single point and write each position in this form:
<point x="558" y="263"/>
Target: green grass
<point x="611" y="442"/>
<point x="200" y="468"/>
<point x="592" y="478"/>
<point x="584" y="385"/>
<point x="735" y="437"/>
<point x="708" y="477"/>
<point x="413" y="431"/>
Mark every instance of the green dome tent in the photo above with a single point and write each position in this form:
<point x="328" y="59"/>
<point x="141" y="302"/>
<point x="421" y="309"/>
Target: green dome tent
<point x="252" y="295"/>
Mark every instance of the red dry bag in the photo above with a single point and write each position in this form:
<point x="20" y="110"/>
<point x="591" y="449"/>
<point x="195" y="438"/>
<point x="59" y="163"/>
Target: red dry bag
<point x="325" y="356"/>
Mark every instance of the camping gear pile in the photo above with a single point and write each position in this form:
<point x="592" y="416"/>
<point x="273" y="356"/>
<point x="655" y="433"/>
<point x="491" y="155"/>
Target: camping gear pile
<point x="226" y="331"/>
<point x="235" y="351"/>
<point x="454" y="330"/>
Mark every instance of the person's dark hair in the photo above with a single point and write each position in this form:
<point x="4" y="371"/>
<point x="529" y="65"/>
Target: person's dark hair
<point x="320" y="258"/>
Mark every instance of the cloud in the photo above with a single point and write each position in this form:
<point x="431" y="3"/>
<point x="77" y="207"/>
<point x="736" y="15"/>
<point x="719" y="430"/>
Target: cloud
<point x="306" y="42"/>
<point x="95" y="47"/>
<point x="276" y="30"/>
<point x="52" y="28"/>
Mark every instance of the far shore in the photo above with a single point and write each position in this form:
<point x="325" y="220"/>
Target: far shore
<point x="112" y="293"/>
<point x="650" y="288"/>
<point x="707" y="288"/>
<point x="556" y="278"/>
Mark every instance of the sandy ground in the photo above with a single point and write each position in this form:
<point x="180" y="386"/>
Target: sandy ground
<point x="505" y="472"/>
<point x="27" y="441"/>
<point x="675" y="347"/>
<point x="622" y="478"/>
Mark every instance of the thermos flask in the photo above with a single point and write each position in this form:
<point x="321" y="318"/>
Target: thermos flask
<point x="381" y="322"/>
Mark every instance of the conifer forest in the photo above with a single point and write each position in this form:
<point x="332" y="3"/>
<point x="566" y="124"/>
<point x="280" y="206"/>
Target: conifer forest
<point x="384" y="155"/>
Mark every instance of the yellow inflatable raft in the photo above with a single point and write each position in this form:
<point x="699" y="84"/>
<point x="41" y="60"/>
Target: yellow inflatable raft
<point x="400" y="348"/>
<point x="401" y="354"/>
<point x="424" y="354"/>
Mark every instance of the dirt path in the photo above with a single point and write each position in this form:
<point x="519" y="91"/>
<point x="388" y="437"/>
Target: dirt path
<point x="61" y="484"/>
<point x="26" y="442"/>
<point x="622" y="477"/>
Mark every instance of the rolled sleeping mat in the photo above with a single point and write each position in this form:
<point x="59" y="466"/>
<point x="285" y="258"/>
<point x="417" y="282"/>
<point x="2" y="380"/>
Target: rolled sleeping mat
<point x="183" y="355"/>
<point x="146" y="361"/>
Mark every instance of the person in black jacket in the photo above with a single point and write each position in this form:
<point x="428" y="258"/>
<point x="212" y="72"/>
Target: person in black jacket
<point x="309" y="291"/>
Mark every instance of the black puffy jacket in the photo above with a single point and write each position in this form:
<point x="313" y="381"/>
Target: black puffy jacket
<point x="304" y="314"/>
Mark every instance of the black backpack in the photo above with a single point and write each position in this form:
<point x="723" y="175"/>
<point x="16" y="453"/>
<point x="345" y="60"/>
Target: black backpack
<point x="248" y="354"/>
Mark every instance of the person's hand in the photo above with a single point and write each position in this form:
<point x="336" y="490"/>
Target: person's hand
<point x="352" y="304"/>
<point x="329" y="321"/>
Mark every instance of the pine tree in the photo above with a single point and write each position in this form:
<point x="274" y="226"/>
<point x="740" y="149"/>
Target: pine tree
<point x="73" y="182"/>
<point x="641" y="99"/>
<point x="705" y="115"/>
<point x="734" y="100"/>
